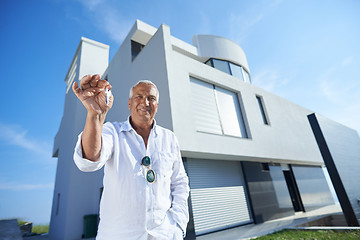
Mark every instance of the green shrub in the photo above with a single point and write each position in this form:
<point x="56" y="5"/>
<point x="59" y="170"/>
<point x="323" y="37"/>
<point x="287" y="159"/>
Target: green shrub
<point x="38" y="229"/>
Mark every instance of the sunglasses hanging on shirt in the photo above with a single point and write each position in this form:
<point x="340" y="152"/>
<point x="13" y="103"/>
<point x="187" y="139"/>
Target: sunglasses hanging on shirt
<point x="150" y="174"/>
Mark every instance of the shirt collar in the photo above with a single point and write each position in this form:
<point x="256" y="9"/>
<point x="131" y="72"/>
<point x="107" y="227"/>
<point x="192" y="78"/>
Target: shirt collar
<point x="127" y="126"/>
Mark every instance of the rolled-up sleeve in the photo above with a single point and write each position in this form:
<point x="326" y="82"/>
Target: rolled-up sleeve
<point x="180" y="192"/>
<point x="107" y="146"/>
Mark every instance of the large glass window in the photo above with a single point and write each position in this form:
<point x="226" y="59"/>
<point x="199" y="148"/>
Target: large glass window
<point x="268" y="192"/>
<point x="221" y="65"/>
<point x="313" y="188"/>
<point x="216" y="110"/>
<point x="236" y="71"/>
<point x="229" y="68"/>
<point x="230" y="114"/>
<point x="246" y="75"/>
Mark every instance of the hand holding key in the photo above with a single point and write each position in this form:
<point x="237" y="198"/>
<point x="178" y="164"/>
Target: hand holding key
<point x="95" y="94"/>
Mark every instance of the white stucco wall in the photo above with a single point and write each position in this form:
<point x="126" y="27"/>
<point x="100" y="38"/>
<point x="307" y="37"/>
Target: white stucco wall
<point x="170" y="63"/>
<point x="75" y="187"/>
<point x="288" y="139"/>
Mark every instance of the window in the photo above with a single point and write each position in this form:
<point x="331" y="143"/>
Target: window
<point x="236" y="71"/>
<point x="246" y="76"/>
<point x="262" y="110"/>
<point x="205" y="107"/>
<point x="216" y="110"/>
<point x="265" y="167"/>
<point x="230" y="114"/>
<point x="221" y="65"/>
<point x="57" y="204"/>
<point x="208" y="62"/>
<point x="229" y="68"/>
<point x="135" y="49"/>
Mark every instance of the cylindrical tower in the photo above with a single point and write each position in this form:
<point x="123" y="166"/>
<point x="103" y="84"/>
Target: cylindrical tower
<point x="222" y="52"/>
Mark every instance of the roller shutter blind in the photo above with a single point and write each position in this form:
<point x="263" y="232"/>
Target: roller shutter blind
<point x="204" y="107"/>
<point x="217" y="195"/>
<point x="216" y="110"/>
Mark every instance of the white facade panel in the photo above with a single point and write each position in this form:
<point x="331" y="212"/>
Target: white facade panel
<point x="289" y="138"/>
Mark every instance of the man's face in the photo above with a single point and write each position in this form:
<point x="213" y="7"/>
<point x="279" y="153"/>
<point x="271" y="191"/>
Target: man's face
<point x="143" y="104"/>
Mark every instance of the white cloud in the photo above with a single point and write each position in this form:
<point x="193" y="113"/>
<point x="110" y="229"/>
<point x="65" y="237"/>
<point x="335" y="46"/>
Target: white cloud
<point x="114" y="26"/>
<point x="204" y="25"/>
<point x="342" y="94"/>
<point x="337" y="89"/>
<point x="347" y="61"/>
<point x="241" y="23"/>
<point x="24" y="186"/>
<point x="91" y="5"/>
<point x="330" y="89"/>
<point x="107" y="17"/>
<point x="270" y="79"/>
<point x="17" y="136"/>
<point x="350" y="116"/>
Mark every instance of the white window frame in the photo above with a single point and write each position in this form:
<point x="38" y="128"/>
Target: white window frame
<point x="243" y="129"/>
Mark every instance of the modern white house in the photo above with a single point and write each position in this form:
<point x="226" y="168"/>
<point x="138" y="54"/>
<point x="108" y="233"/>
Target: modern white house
<point x="251" y="156"/>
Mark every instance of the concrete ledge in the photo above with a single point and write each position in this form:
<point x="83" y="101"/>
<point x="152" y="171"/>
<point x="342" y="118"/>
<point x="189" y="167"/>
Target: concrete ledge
<point x="251" y="231"/>
<point x="10" y="230"/>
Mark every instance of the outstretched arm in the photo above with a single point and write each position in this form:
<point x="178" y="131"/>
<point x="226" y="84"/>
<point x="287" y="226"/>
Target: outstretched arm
<point x="93" y="97"/>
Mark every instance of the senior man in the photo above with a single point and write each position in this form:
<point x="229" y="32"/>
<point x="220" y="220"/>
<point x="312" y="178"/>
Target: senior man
<point x="145" y="183"/>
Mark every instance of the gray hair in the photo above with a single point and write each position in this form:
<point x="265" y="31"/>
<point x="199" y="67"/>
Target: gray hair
<point x="145" y="82"/>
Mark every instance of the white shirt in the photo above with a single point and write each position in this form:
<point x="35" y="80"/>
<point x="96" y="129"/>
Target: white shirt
<point x="130" y="207"/>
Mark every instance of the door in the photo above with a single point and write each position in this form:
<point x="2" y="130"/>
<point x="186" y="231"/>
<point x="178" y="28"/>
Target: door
<point x="218" y="195"/>
<point x="293" y="191"/>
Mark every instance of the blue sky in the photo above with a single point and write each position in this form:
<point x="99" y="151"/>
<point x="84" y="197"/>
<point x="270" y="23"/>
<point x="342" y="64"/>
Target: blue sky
<point x="305" y="51"/>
